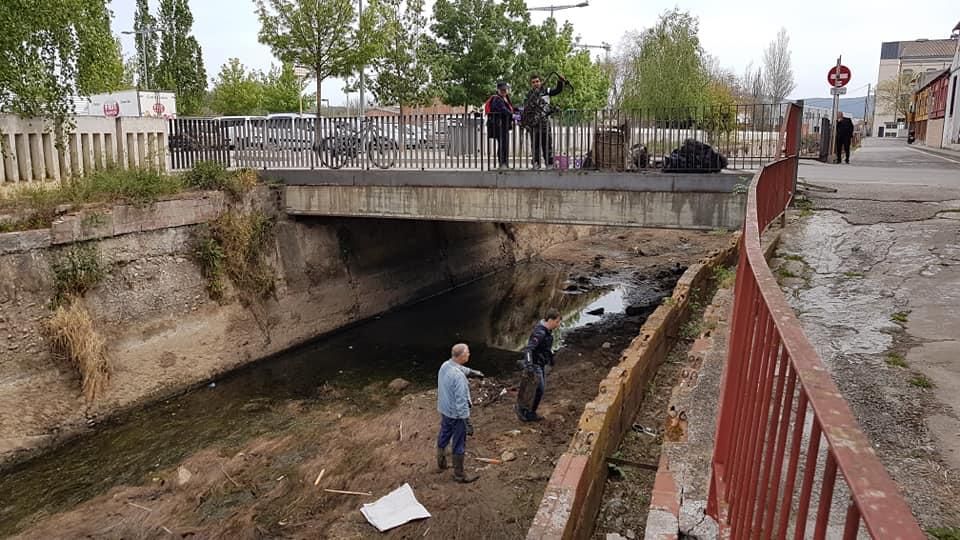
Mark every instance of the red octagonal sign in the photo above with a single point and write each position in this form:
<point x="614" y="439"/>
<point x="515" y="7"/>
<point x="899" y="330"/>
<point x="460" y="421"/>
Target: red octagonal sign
<point x="844" y="77"/>
<point x="111" y="109"/>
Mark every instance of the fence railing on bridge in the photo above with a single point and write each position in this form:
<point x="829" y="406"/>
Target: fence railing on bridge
<point x="747" y="136"/>
<point x="783" y="424"/>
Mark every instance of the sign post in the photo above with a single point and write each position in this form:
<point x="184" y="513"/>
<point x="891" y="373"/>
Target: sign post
<point x="838" y="77"/>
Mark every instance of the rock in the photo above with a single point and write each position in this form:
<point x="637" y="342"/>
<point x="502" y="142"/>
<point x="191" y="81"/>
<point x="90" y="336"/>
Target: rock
<point x="596" y="312"/>
<point x="614" y="536"/>
<point x="508" y="456"/>
<point x="183" y="475"/>
<point x="630" y="534"/>
<point x="606" y="345"/>
<point x="514" y="433"/>
<point x="633" y="311"/>
<point x="398" y="385"/>
<point x="572" y="287"/>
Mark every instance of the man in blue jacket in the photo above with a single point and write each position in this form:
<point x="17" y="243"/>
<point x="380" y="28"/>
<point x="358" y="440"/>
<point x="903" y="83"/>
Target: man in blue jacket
<point x="537" y="355"/>
<point x="500" y="122"/>
<point x="453" y="403"/>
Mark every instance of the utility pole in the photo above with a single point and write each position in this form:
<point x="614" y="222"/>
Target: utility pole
<point x="363" y="67"/>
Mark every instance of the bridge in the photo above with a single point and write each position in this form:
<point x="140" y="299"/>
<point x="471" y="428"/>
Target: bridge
<point x="658" y="200"/>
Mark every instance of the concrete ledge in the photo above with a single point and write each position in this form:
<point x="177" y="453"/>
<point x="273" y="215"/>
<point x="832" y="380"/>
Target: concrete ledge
<point x="654" y="209"/>
<point x="653" y="180"/>
<point x="572" y="497"/>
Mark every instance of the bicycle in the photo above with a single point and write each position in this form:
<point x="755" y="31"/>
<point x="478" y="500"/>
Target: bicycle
<point x="346" y="144"/>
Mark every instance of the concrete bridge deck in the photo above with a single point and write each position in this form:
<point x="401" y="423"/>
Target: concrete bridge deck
<point x="646" y="199"/>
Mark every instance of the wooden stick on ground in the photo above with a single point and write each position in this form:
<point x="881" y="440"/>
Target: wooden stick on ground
<point x="348" y="492"/>
<point x="489" y="460"/>
<point x="135" y="505"/>
<point x="319" y="476"/>
<point x="234" y="482"/>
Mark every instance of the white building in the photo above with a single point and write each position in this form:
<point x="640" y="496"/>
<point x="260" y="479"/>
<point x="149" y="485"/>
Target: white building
<point x="951" y="124"/>
<point x="908" y="58"/>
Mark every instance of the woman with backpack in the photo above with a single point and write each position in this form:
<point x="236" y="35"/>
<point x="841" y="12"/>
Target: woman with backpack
<point x="500" y="121"/>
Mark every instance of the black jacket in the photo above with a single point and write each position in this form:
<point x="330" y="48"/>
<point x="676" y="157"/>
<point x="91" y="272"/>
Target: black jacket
<point x="539" y="347"/>
<point x="844" y="129"/>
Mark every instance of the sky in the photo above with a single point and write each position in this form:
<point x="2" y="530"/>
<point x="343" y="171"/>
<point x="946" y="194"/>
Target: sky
<point x="735" y="32"/>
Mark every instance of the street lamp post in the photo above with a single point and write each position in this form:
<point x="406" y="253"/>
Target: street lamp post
<point x="143" y="52"/>
<point x="552" y="8"/>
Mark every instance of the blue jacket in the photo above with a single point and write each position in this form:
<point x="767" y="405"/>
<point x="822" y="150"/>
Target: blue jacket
<point x="540" y="345"/>
<point x="453" y="391"/>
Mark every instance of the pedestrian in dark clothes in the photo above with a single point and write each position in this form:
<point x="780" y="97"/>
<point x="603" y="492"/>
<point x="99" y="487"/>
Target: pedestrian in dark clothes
<point x="537" y="355"/>
<point x="844" y="136"/>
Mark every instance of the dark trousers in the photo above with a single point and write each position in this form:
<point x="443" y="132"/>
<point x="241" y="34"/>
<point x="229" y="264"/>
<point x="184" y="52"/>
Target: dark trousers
<point x="542" y="142"/>
<point x="843" y="146"/>
<point x="531" y="413"/>
<point x="503" y="147"/>
<point x="453" y="430"/>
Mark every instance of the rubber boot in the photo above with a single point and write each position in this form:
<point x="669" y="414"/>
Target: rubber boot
<point x="441" y="458"/>
<point x="458" y="474"/>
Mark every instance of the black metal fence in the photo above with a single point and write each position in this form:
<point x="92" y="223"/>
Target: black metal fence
<point x="705" y="138"/>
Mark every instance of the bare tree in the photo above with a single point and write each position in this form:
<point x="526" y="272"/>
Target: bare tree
<point x="894" y="95"/>
<point x="752" y="85"/>
<point x="778" y="71"/>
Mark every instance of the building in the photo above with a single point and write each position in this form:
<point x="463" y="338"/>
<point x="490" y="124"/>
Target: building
<point x="909" y="59"/>
<point x="928" y="108"/>
<point x="951" y="124"/>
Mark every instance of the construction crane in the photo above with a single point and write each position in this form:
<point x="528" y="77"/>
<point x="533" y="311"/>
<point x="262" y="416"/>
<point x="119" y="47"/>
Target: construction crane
<point x="603" y="45"/>
<point x="551" y="9"/>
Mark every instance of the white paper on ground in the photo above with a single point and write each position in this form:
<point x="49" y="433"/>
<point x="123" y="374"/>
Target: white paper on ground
<point x="396" y="508"/>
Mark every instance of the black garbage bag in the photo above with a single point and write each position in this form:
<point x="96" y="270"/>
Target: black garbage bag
<point x="694" y="156"/>
<point x="639" y="156"/>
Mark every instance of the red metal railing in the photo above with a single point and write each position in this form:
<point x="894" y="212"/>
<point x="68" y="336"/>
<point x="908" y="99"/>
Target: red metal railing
<point x="780" y="407"/>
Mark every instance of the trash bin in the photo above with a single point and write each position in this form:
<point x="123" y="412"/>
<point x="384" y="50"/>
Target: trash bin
<point x="610" y="149"/>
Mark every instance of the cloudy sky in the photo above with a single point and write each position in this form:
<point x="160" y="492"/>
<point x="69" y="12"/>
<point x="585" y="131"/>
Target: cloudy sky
<point x="735" y="32"/>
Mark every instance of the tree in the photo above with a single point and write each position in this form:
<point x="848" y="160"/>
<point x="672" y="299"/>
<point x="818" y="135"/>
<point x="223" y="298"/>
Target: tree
<point x="668" y="71"/>
<point x="752" y="86"/>
<point x="145" y="36"/>
<point x="51" y="50"/>
<point x="324" y="35"/>
<point x="180" y="68"/>
<point x="402" y="72"/>
<point x="777" y="68"/>
<point x="474" y="46"/>
<point x="894" y="95"/>
<point x="281" y="89"/>
<point x="235" y="91"/>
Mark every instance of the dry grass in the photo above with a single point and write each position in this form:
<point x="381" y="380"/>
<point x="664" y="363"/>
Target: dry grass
<point x="74" y="338"/>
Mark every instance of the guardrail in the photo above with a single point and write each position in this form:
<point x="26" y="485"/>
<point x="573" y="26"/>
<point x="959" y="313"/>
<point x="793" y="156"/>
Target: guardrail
<point x="776" y="387"/>
<point x="746" y="135"/>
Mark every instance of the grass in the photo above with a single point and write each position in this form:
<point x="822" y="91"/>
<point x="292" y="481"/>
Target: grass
<point x="853" y="275"/>
<point x="944" y="533"/>
<point x="233" y="247"/>
<point x="74" y="338"/>
<point x="783" y="272"/>
<point x="668" y="301"/>
<point x="76" y="270"/>
<point x="805" y="206"/>
<point x="896" y="360"/>
<point x="921" y="381"/>
<point x="37" y="207"/>
<point x="718" y="232"/>
<point x="724" y="277"/>
<point x="900" y="317"/>
<point x="794" y="257"/>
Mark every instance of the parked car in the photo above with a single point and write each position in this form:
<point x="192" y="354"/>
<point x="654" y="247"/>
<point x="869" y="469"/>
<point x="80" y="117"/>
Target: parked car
<point x="197" y="134"/>
<point x="243" y="131"/>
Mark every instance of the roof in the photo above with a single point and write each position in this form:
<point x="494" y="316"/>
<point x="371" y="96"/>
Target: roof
<point x="934" y="48"/>
<point x="931" y="77"/>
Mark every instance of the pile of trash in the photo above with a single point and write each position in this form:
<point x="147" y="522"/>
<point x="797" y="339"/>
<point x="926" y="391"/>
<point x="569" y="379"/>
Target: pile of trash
<point x="694" y="156"/>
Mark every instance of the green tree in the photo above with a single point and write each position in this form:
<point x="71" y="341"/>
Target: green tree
<point x="145" y="36"/>
<point x="667" y="66"/>
<point x="474" y="46"/>
<point x="322" y="35"/>
<point x="51" y="50"/>
<point x="180" y="68"/>
<point x="235" y="91"/>
<point x="402" y="72"/>
<point x="281" y="89"/>
<point x="548" y="49"/>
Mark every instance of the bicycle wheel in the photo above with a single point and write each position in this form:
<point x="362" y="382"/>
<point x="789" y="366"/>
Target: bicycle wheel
<point x="332" y="152"/>
<point x="383" y="152"/>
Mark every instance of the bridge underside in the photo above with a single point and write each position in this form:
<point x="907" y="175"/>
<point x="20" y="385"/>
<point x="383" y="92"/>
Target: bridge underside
<point x="703" y="202"/>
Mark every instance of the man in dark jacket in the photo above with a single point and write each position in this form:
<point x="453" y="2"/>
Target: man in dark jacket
<point x="844" y="135"/>
<point x="500" y="122"/>
<point x="536" y="111"/>
<point x="537" y="355"/>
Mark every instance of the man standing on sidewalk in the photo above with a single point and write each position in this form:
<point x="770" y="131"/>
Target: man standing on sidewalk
<point x="844" y="135"/>
<point x="537" y="355"/>
<point x="453" y="403"/>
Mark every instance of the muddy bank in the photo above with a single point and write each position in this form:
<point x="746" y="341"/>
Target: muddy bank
<point x="255" y="479"/>
<point x="163" y="331"/>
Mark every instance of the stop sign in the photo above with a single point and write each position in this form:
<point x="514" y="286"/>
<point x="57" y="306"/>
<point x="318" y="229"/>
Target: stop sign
<point x="838" y="76"/>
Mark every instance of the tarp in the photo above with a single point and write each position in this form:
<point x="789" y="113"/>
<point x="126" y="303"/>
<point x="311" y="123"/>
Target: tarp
<point x="394" y="509"/>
